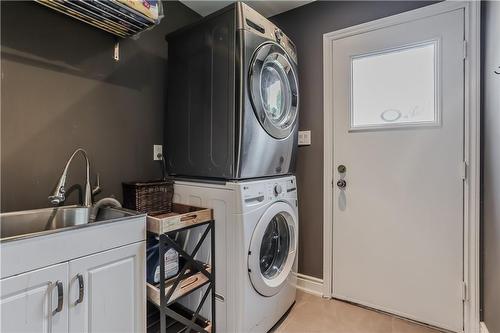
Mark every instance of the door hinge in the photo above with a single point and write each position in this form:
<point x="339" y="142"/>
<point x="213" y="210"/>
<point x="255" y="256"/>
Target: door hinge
<point x="463" y="170"/>
<point x="465" y="49"/>
<point x="464" y="291"/>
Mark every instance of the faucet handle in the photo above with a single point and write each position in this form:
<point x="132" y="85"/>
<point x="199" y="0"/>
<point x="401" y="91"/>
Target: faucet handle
<point x="58" y="196"/>
<point x="97" y="188"/>
<point x="56" y="200"/>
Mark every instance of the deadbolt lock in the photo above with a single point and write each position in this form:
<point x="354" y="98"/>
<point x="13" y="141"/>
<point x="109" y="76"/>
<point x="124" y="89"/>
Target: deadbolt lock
<point x="341" y="168"/>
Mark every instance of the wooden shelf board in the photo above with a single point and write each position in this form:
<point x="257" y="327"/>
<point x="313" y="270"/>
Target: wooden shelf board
<point x="181" y="217"/>
<point x="174" y="326"/>
<point x="185" y="287"/>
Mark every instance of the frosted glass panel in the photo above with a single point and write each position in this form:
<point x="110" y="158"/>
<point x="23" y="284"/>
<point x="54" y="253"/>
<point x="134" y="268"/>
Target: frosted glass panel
<point x="394" y="88"/>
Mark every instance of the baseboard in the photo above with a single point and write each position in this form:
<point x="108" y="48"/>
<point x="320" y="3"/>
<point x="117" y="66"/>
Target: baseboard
<point x="310" y="284"/>
<point x="484" y="329"/>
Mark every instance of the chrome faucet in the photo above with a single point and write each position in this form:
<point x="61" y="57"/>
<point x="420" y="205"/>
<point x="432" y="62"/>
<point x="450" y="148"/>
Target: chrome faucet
<point x="58" y="195"/>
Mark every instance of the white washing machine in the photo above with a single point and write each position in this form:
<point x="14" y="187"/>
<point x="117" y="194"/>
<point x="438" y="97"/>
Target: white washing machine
<point x="256" y="240"/>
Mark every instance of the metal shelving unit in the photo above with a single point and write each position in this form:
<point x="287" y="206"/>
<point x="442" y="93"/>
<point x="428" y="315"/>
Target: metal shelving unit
<point x="113" y="16"/>
<point x="193" y="275"/>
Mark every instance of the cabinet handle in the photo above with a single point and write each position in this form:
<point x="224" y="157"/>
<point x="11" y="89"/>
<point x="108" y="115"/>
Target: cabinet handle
<point x="60" y="297"/>
<point x="189" y="217"/>
<point x="80" y="289"/>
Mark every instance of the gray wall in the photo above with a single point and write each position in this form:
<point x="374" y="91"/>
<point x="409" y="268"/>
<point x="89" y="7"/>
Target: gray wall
<point x="62" y="90"/>
<point x="306" y="26"/>
<point x="491" y="166"/>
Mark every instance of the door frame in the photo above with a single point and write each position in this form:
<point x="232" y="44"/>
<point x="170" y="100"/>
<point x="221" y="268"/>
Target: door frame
<point x="472" y="10"/>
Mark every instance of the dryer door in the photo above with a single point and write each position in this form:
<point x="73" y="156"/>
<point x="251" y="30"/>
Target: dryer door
<point x="272" y="249"/>
<point x="274" y="90"/>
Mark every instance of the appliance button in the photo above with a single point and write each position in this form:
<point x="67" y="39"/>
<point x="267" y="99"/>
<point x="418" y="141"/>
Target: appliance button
<point x="278" y="35"/>
<point x="277" y="190"/>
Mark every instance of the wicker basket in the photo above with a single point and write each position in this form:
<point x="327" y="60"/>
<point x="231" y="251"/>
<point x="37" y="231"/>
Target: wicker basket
<point x="149" y="197"/>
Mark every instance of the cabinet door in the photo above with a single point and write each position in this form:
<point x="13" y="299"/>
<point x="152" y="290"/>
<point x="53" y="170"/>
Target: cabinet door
<point x="114" y="291"/>
<point x="28" y="301"/>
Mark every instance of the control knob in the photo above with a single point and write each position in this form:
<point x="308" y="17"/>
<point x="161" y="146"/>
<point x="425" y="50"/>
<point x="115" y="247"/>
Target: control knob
<point x="277" y="190"/>
<point x="278" y="34"/>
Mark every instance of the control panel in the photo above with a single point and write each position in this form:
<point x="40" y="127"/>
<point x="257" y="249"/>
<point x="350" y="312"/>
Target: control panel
<point x="269" y="191"/>
<point x="281" y="188"/>
<point x="253" y="21"/>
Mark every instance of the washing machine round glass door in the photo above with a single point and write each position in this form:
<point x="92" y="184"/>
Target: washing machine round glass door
<point x="274" y="90"/>
<point x="272" y="249"/>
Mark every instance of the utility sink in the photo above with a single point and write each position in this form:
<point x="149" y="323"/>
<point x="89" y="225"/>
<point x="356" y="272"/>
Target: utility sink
<point x="24" y="224"/>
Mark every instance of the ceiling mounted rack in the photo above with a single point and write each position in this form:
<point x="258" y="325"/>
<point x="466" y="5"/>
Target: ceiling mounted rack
<point x="123" y="18"/>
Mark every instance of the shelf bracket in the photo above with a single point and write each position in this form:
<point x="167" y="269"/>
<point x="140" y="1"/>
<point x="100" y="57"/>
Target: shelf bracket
<point x="116" y="51"/>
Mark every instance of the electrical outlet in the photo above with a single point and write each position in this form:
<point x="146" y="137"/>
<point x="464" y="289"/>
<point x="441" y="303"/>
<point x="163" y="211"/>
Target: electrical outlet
<point x="304" y="138"/>
<point x="157" y="152"/>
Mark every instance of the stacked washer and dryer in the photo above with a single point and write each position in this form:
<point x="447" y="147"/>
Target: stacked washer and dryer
<point x="231" y="143"/>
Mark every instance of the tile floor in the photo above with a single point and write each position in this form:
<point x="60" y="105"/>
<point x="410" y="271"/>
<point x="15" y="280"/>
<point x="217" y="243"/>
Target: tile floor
<point x="313" y="314"/>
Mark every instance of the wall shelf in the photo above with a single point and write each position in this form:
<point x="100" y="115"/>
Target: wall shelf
<point x="117" y="17"/>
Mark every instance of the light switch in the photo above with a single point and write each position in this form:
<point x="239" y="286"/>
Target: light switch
<point x="157" y="152"/>
<point x="304" y="138"/>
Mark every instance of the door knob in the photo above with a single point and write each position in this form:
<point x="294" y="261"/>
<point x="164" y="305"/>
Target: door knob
<point x="341" y="183"/>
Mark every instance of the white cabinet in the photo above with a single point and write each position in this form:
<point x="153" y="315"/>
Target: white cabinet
<point x="112" y="294"/>
<point x="109" y="258"/>
<point x="49" y="300"/>
<point x="29" y="301"/>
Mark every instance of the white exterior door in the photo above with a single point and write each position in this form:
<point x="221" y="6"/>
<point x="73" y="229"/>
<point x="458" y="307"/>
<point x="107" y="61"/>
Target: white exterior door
<point x="29" y="301"/>
<point x="398" y="129"/>
<point x="114" y="291"/>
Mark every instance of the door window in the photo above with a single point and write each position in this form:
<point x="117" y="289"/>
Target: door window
<point x="395" y="87"/>
<point x="275" y="246"/>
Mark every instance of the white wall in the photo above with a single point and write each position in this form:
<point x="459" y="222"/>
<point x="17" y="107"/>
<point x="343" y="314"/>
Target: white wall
<point x="491" y="113"/>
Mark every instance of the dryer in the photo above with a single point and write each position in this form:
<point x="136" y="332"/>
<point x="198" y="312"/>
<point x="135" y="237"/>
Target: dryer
<point x="233" y="98"/>
<point x="256" y="237"/>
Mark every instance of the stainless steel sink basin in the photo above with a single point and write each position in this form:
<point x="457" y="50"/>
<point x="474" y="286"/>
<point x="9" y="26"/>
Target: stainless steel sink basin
<point x="39" y="222"/>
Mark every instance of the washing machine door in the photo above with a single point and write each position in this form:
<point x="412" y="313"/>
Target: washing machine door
<point x="272" y="249"/>
<point x="274" y="90"/>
